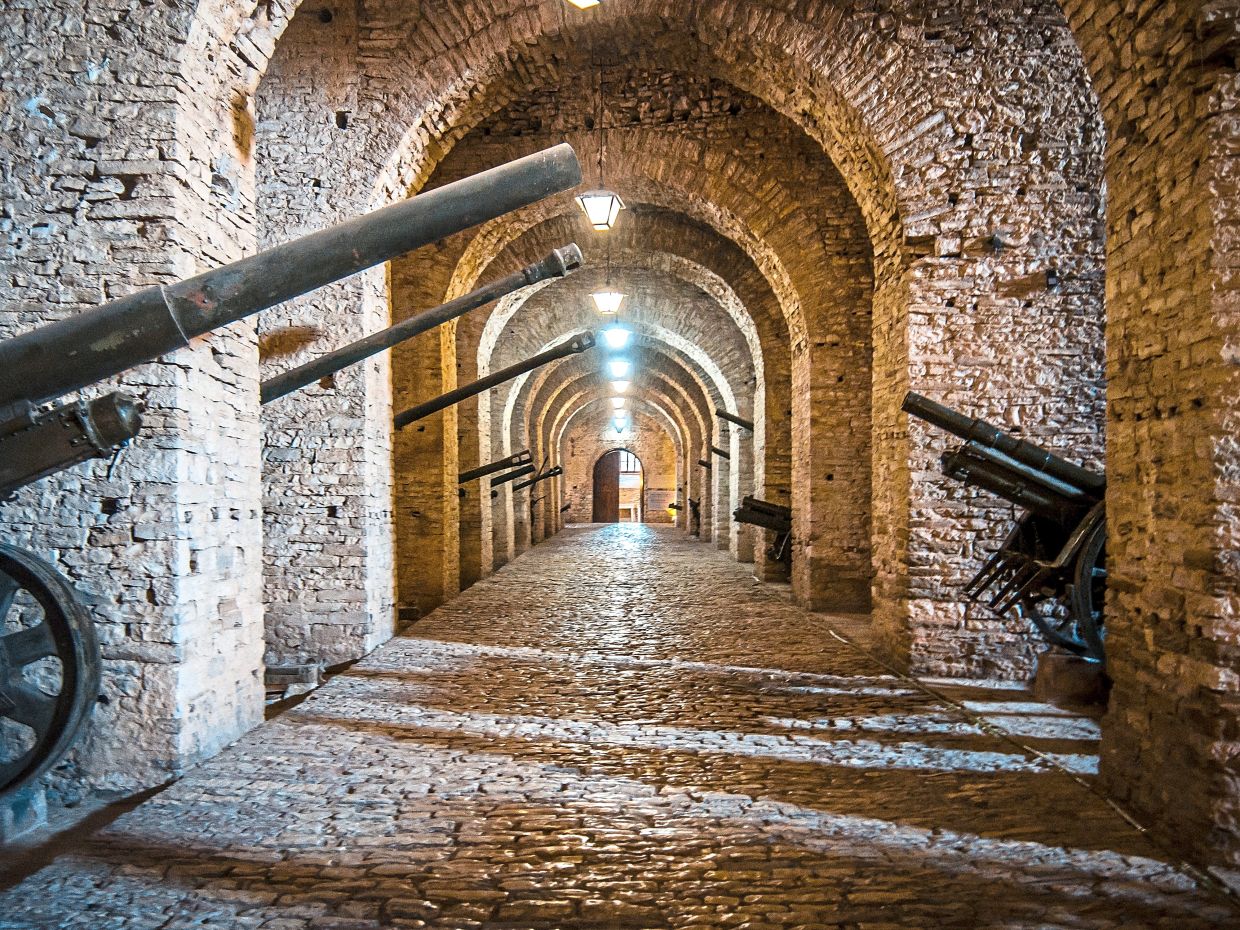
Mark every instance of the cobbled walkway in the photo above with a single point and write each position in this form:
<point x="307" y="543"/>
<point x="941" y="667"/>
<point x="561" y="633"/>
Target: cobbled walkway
<point x="622" y="730"/>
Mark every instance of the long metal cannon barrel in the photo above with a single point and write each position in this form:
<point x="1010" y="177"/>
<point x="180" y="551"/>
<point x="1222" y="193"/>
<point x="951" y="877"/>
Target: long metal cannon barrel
<point x="571" y="346"/>
<point x="553" y="473"/>
<point x="560" y="263"/>
<point x="521" y="472"/>
<point x="96" y="344"/>
<point x="721" y="453"/>
<point x="986" y="434"/>
<point x="524" y="457"/>
<point x="733" y="418"/>
<point x="705" y="463"/>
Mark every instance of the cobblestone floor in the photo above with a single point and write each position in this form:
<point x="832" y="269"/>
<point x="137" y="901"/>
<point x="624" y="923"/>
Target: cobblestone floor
<point x="622" y="730"/>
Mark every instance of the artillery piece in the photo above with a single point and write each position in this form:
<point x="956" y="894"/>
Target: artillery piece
<point x="774" y="517"/>
<point x="1050" y="569"/>
<point x="49" y="655"/>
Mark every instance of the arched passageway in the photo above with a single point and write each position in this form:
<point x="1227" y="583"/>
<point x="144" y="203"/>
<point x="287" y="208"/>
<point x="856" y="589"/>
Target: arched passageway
<point x="1022" y="210"/>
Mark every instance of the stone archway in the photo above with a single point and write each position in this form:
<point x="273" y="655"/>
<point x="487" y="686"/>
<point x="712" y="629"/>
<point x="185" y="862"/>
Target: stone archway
<point x="614" y="488"/>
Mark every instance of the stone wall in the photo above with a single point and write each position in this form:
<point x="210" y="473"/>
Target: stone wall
<point x="1167" y="82"/>
<point x="127" y="161"/>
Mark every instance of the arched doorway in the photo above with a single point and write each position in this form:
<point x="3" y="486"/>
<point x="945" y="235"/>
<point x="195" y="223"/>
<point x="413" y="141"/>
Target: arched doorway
<point x="619" y="488"/>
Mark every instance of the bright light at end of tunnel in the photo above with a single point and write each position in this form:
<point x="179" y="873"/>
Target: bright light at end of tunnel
<point x="601" y="208"/>
<point x="619" y="368"/>
<point x="607" y="301"/>
<point x="583" y="4"/>
<point x="617" y="337"/>
<point x="619" y="387"/>
<point x="617" y="403"/>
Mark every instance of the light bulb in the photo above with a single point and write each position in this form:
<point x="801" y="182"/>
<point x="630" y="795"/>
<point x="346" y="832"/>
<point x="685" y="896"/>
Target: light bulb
<point x="617" y="337"/>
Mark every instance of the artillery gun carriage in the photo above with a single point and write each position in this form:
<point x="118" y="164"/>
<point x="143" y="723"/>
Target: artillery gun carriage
<point x="1051" y="568"/>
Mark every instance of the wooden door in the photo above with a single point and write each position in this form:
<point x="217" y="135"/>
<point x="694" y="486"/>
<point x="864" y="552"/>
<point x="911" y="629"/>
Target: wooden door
<point x="607" y="489"/>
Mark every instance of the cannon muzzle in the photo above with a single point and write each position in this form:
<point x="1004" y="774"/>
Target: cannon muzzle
<point x="52" y="360"/>
<point x="733" y="418"/>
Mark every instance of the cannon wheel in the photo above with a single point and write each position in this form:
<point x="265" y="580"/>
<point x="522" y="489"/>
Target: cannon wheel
<point x="1089" y="584"/>
<point x="49" y="667"/>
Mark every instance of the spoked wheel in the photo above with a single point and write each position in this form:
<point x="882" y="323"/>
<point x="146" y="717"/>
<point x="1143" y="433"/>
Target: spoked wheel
<point x="49" y="667"/>
<point x="1089" y="586"/>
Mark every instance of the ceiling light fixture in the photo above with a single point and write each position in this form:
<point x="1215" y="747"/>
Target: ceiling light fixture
<point x="619" y="367"/>
<point x="616" y="337"/>
<point x="583" y="4"/>
<point x="617" y="403"/>
<point x="601" y="207"/>
<point x="619" y="387"/>
<point x="607" y="301"/>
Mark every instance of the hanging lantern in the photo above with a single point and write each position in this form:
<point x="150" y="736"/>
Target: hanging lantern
<point x="601" y="208"/>
<point x="607" y="301"/>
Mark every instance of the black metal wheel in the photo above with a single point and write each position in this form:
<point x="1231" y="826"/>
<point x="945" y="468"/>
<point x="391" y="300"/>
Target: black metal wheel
<point x="1089" y="586"/>
<point x="49" y="667"/>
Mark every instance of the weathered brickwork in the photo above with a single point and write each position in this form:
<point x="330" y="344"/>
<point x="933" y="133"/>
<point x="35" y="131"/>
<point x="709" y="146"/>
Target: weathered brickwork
<point x="1167" y="83"/>
<point x="123" y="166"/>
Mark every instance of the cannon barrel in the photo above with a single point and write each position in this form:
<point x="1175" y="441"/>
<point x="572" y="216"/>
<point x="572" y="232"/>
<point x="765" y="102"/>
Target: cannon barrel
<point x="721" y="453"/>
<point x="705" y="463"/>
<point x="553" y="473"/>
<point x="524" y="457"/>
<point x="572" y="346"/>
<point x="52" y="360"/>
<point x="986" y="434"/>
<point x="511" y="476"/>
<point x="560" y="263"/>
<point x="733" y="418"/>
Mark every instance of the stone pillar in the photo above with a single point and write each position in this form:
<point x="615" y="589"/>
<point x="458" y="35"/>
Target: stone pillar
<point x="427" y="503"/>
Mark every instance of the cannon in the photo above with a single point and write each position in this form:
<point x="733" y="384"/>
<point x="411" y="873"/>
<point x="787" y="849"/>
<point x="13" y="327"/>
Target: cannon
<point x="722" y="453"/>
<point x="49" y="654"/>
<point x="574" y="345"/>
<point x="559" y="264"/>
<point x="695" y="517"/>
<point x="539" y="478"/>
<point x="1051" y="568"/>
<point x="733" y="418"/>
<point x="774" y="517"/>
<point x="509" y="477"/>
<point x="516" y="460"/>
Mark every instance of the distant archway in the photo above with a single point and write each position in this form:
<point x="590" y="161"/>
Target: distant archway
<point x="619" y="488"/>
